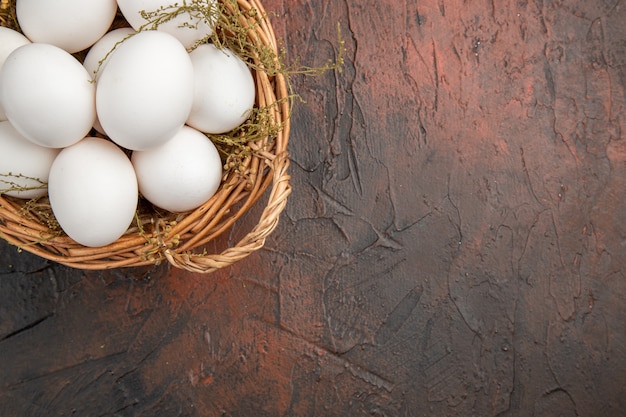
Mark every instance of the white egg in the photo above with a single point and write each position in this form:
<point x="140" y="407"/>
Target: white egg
<point x="47" y="95"/>
<point x="224" y="90"/>
<point x="145" y="92"/>
<point x="72" y="25"/>
<point x="10" y="40"/>
<point x="93" y="191"/>
<point x="181" y="174"/>
<point x="24" y="166"/>
<point x="101" y="51"/>
<point x="187" y="27"/>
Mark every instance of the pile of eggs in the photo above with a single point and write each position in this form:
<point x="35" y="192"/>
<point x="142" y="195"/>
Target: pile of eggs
<point x="151" y="94"/>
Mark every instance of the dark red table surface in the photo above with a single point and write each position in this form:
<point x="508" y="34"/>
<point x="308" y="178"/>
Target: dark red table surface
<point x="455" y="244"/>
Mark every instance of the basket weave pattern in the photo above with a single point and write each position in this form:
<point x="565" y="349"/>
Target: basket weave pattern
<point x="155" y="237"/>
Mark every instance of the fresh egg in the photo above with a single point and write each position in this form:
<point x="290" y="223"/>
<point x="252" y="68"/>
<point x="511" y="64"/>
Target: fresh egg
<point x="10" y="40"/>
<point x="47" y="95"/>
<point x="181" y="174"/>
<point x="73" y="25"/>
<point x="224" y="90"/>
<point x="145" y="92"/>
<point x="187" y="27"/>
<point x="93" y="191"/>
<point x="24" y="166"/>
<point x="99" y="54"/>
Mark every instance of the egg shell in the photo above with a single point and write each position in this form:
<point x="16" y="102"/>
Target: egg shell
<point x="144" y="94"/>
<point x="224" y="91"/>
<point x="10" y="40"/>
<point x="47" y="95"/>
<point x="24" y="166"/>
<point x="73" y="25"/>
<point x="93" y="191"/>
<point x="181" y="174"/>
<point x="186" y="27"/>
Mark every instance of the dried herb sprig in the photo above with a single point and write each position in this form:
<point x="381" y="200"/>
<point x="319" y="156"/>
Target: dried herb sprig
<point x="16" y="182"/>
<point x="38" y="208"/>
<point x="195" y="11"/>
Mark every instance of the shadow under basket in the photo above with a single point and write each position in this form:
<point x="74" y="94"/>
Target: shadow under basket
<point x="156" y="236"/>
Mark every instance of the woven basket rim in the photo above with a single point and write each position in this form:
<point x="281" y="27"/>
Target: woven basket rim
<point x="172" y="238"/>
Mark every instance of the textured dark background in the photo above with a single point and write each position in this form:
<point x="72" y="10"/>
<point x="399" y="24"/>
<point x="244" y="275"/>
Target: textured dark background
<point x="455" y="244"/>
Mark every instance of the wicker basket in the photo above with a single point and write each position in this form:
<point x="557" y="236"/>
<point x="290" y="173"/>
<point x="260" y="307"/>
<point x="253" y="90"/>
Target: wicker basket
<point x="155" y="236"/>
